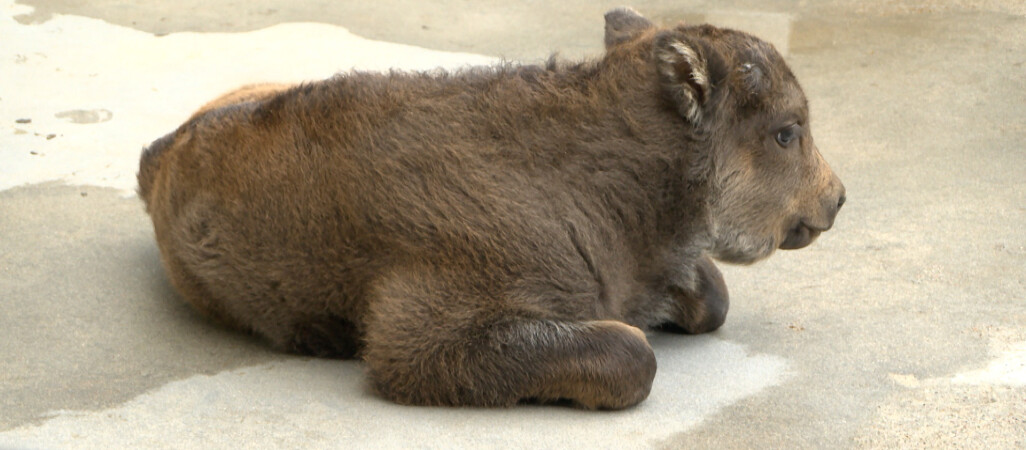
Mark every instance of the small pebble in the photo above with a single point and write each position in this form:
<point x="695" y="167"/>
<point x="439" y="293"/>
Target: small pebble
<point x="23" y="121"/>
<point x="50" y="136"/>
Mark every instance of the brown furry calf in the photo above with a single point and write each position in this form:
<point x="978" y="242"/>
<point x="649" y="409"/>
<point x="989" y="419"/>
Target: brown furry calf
<point x="494" y="234"/>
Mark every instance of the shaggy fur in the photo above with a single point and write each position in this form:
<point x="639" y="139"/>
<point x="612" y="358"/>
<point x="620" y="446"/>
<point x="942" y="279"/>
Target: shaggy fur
<point x="495" y="234"/>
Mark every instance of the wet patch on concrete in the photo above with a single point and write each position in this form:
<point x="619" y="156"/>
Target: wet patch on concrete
<point x="85" y="116"/>
<point x="89" y="318"/>
<point x="318" y="402"/>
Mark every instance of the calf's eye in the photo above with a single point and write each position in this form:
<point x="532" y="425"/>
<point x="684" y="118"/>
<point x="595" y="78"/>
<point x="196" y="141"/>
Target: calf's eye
<point x="788" y="135"/>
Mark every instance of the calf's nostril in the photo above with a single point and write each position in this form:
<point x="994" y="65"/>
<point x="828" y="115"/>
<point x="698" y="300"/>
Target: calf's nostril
<point x="840" y="202"/>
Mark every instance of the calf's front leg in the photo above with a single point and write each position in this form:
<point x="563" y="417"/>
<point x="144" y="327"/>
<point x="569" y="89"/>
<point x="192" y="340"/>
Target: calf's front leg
<point x="704" y="308"/>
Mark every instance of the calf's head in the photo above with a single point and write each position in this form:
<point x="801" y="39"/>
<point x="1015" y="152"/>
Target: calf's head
<point x="771" y="187"/>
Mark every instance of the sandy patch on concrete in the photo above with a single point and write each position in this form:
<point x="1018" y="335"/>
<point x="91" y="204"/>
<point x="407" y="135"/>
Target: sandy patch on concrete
<point x="977" y="408"/>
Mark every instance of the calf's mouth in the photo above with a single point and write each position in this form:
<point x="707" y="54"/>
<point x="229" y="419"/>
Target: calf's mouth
<point x="799" y="236"/>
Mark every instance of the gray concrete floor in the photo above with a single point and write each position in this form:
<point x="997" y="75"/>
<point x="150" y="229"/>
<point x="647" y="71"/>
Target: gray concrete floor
<point x="901" y="327"/>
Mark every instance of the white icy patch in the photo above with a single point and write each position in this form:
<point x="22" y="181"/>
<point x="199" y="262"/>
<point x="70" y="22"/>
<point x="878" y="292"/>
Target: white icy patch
<point x="324" y="404"/>
<point x="1008" y="369"/>
<point x="97" y="93"/>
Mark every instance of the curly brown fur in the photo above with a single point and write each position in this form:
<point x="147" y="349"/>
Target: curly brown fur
<point x="494" y="234"/>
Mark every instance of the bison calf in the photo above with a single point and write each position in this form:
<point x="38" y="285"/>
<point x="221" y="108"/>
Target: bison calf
<point x="490" y="235"/>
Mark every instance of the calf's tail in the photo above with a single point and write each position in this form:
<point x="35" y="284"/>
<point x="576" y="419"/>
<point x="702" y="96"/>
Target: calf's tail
<point x="149" y="164"/>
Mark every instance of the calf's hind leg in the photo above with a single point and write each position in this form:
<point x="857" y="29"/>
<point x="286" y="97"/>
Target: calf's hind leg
<point x="427" y="349"/>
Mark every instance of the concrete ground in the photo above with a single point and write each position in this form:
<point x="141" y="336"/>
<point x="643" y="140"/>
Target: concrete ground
<point x="901" y="327"/>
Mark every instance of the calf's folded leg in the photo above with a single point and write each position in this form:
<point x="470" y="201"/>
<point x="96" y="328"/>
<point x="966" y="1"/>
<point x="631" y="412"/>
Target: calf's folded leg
<point x="468" y="353"/>
<point x="704" y="308"/>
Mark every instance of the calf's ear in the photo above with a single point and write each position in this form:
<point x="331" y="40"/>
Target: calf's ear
<point x="624" y="24"/>
<point x="684" y="74"/>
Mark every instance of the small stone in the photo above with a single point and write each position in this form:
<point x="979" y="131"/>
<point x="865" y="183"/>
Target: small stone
<point x="50" y="136"/>
<point x="904" y="379"/>
<point x="23" y="121"/>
